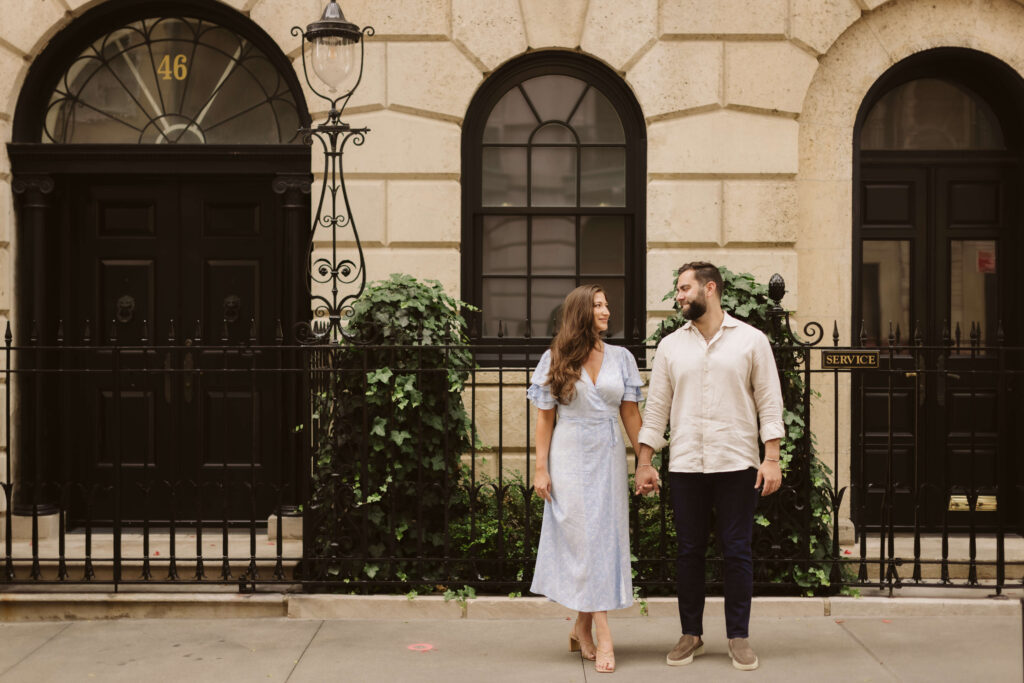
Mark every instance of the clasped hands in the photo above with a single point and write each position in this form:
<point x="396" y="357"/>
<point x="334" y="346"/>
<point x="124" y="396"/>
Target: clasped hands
<point x="646" y="480"/>
<point x="769" y="475"/>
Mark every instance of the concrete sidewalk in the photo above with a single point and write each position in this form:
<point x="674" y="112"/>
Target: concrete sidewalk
<point x="965" y="640"/>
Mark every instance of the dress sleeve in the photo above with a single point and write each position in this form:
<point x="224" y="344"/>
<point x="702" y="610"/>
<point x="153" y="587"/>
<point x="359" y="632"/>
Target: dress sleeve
<point x="630" y="377"/>
<point x="539" y="392"/>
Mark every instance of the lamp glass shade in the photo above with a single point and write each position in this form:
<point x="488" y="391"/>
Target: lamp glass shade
<point x="333" y="60"/>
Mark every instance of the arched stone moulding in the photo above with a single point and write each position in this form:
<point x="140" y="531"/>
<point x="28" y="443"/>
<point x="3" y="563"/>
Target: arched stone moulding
<point x="858" y="57"/>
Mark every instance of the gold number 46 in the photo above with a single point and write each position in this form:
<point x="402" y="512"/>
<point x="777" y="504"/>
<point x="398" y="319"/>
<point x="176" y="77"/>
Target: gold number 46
<point x="178" y="71"/>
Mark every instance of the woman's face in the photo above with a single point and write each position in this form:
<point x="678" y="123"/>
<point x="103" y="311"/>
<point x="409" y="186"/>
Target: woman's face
<point x="601" y="312"/>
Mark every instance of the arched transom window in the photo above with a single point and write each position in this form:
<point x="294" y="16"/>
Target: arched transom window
<point x="171" y="80"/>
<point x="556" y="202"/>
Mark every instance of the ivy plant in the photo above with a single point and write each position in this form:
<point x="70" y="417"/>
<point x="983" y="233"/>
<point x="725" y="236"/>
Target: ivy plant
<point x="389" y="427"/>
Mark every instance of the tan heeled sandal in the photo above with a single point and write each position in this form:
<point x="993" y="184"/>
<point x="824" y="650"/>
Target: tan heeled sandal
<point x="577" y="645"/>
<point x="605" y="663"/>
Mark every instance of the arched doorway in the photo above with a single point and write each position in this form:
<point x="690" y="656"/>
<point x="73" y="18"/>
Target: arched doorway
<point x="937" y="254"/>
<point x="157" y="153"/>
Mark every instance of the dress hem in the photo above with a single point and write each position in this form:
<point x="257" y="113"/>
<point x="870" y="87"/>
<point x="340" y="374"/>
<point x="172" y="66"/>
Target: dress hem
<point x="576" y="608"/>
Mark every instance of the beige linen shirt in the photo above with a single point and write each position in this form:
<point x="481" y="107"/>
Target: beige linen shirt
<point x="713" y="394"/>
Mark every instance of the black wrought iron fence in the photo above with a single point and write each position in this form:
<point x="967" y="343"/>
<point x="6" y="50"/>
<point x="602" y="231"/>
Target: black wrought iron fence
<point x="190" y="461"/>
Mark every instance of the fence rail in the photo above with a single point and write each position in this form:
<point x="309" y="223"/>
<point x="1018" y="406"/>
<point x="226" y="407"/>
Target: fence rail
<point x="132" y="462"/>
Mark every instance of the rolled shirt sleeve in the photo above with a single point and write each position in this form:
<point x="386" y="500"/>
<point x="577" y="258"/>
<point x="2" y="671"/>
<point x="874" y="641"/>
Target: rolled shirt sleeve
<point x="659" y="400"/>
<point x="767" y="391"/>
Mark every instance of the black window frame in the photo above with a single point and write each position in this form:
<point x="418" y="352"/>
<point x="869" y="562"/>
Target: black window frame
<point x="614" y="88"/>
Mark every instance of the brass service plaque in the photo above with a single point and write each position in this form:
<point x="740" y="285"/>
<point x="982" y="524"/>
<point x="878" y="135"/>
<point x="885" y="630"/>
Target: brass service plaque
<point x="849" y="359"/>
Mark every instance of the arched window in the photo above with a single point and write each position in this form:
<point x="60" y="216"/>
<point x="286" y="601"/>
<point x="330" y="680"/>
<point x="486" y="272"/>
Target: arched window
<point x="931" y="114"/>
<point x="167" y="80"/>
<point x="553" y="174"/>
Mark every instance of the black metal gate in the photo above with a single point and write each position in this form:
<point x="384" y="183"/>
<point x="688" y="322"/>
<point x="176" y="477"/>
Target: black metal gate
<point x="485" y="530"/>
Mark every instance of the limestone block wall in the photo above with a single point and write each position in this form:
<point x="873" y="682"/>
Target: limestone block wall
<point x="750" y="108"/>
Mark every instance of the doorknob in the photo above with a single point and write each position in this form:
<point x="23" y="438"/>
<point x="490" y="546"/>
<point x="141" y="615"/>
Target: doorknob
<point x="940" y="366"/>
<point x="188" y="365"/>
<point x="168" y="378"/>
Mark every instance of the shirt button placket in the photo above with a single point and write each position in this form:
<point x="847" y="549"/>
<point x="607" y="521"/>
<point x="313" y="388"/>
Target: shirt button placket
<point x="704" y="406"/>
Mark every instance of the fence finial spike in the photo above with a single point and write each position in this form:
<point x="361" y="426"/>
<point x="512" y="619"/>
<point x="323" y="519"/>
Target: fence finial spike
<point x="171" y="332"/>
<point x="8" y="336"/>
<point x="60" y="330"/>
<point x="1000" y="334"/>
<point x="144" y="337"/>
<point x="527" y="333"/>
<point x="87" y="332"/>
<point x="863" y="333"/>
<point x="956" y="334"/>
<point x="892" y="335"/>
<point x="918" y="337"/>
<point x="113" y="330"/>
<point x="835" y="333"/>
<point x="224" y="335"/>
<point x="252" y="329"/>
<point x="945" y="332"/>
<point x="34" y="334"/>
<point x="197" y="330"/>
<point x="278" y="332"/>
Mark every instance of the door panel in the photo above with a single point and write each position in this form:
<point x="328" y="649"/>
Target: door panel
<point x="237" y="295"/>
<point x="123" y="252"/>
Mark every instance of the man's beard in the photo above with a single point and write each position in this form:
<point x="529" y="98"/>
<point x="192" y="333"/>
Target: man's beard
<point x="697" y="308"/>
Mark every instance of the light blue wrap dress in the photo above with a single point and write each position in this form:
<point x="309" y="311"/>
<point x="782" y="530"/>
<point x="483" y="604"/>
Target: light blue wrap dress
<point x="583" y="555"/>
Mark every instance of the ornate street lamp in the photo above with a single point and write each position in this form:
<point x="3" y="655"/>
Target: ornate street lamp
<point x="335" y="46"/>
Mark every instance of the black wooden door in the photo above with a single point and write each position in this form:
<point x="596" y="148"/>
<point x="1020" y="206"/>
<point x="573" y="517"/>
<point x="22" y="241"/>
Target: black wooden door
<point x="935" y="251"/>
<point x="167" y="265"/>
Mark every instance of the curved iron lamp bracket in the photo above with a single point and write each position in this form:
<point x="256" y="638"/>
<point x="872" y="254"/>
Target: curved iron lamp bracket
<point x="344" y="277"/>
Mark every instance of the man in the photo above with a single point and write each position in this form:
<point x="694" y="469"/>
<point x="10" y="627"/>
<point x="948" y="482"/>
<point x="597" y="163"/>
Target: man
<point x="714" y="381"/>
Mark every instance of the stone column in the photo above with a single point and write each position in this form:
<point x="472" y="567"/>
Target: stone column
<point x="34" y="488"/>
<point x="294" y="189"/>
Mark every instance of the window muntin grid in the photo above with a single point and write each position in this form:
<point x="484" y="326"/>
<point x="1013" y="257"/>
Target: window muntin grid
<point x="171" y="80"/>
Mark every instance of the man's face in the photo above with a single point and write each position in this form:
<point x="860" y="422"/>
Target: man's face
<point x="691" y="296"/>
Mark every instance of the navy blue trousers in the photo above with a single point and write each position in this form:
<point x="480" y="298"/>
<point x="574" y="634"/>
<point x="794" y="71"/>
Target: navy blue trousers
<point x="733" y="497"/>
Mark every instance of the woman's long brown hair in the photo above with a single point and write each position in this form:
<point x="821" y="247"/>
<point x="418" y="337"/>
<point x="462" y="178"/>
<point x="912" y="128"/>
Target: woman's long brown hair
<point x="575" y="338"/>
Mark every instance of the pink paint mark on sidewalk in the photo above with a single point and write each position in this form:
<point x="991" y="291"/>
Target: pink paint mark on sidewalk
<point x="421" y="647"/>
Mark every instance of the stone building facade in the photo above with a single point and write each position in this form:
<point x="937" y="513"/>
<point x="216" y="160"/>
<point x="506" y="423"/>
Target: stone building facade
<point x="752" y="117"/>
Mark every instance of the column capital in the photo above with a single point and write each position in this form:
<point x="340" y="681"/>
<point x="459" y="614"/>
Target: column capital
<point x="292" y="182"/>
<point x="32" y="183"/>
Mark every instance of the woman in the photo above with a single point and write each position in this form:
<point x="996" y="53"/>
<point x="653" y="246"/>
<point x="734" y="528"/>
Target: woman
<point x="583" y="556"/>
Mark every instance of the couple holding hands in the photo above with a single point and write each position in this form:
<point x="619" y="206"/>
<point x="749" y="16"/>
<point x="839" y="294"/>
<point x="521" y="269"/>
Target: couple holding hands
<point x="714" y="383"/>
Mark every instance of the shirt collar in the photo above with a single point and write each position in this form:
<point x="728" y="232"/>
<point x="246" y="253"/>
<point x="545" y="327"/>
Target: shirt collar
<point x="727" y="321"/>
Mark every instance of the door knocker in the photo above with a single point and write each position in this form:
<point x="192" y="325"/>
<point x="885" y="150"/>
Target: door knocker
<point x="232" y="307"/>
<point x="125" y="308"/>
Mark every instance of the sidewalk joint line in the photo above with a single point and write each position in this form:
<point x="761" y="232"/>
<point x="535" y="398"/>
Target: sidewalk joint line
<point x="304" y="650"/>
<point x="37" y="649"/>
<point x="867" y="649"/>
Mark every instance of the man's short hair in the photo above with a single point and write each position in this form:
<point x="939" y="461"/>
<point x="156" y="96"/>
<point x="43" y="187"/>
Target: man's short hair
<point x="704" y="272"/>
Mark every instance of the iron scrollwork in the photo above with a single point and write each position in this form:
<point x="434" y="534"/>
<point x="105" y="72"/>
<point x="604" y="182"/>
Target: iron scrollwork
<point x="343" y="277"/>
<point x="813" y="331"/>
